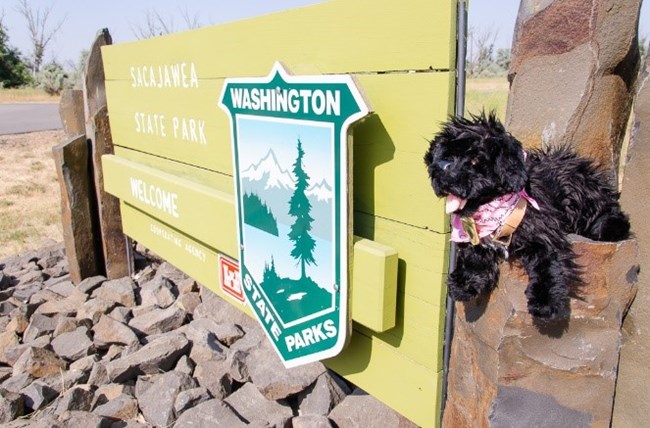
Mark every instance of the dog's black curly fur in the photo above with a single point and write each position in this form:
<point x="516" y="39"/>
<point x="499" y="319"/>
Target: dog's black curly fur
<point x="477" y="160"/>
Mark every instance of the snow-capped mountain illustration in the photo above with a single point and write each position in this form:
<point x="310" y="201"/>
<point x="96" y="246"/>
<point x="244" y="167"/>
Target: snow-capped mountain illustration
<point x="267" y="179"/>
<point x="270" y="170"/>
<point x="321" y="191"/>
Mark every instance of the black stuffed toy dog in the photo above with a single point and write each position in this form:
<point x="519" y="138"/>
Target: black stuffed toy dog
<point x="508" y="203"/>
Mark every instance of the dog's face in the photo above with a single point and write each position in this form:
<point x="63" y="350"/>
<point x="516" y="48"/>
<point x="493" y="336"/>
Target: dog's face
<point x="473" y="161"/>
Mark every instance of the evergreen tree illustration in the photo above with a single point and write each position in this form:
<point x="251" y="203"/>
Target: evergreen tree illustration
<point x="270" y="276"/>
<point x="300" y="208"/>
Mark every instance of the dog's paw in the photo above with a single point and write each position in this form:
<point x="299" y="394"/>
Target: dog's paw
<point x="548" y="310"/>
<point x="463" y="288"/>
<point x="462" y="295"/>
<point x="614" y="229"/>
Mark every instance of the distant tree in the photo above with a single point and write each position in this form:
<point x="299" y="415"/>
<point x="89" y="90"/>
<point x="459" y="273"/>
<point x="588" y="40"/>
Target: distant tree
<point x="78" y="68"/>
<point x="52" y="78"/>
<point x="13" y="70"/>
<point x="157" y="25"/>
<point x="503" y="58"/>
<point x="643" y="47"/>
<point x="482" y="60"/>
<point x="258" y="214"/>
<point x="300" y="208"/>
<point x="40" y="30"/>
<point x="270" y="276"/>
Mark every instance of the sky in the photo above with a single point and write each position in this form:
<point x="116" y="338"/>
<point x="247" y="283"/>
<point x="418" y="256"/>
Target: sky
<point x="82" y="19"/>
<point x="500" y="16"/>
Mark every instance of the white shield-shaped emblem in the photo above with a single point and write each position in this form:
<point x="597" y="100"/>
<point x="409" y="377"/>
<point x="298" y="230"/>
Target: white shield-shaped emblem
<point x="290" y="153"/>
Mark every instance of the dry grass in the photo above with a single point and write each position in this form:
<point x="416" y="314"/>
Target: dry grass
<point x="26" y="95"/>
<point x="487" y="94"/>
<point x="30" y="203"/>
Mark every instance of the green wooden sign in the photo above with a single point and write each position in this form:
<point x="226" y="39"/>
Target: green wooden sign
<point x="174" y="174"/>
<point x="289" y="136"/>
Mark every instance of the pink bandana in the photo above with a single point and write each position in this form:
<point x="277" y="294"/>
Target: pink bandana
<point x="490" y="216"/>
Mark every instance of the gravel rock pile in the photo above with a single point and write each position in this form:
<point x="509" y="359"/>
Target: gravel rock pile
<point x="155" y="349"/>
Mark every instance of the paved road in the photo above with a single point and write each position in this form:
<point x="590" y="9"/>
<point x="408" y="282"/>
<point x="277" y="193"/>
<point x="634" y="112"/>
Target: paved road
<point x="28" y="117"/>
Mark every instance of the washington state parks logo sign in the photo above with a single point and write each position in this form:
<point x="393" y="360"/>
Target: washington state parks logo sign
<point x="289" y="137"/>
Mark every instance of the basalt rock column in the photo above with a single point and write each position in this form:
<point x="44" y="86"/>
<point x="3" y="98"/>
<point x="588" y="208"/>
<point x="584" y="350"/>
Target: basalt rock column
<point x="509" y="369"/>
<point x="574" y="65"/>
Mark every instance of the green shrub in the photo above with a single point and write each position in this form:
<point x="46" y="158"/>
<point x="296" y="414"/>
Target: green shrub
<point x="52" y="79"/>
<point x="13" y="70"/>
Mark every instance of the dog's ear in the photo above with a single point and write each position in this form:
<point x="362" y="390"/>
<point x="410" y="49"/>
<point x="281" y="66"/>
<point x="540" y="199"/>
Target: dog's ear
<point x="510" y="164"/>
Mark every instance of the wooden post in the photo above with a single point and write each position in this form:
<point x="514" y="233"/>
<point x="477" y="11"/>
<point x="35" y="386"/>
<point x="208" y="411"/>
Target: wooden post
<point x="116" y="258"/>
<point x="113" y="242"/>
<point x="71" y="110"/>
<point x="77" y="208"/>
<point x="93" y="83"/>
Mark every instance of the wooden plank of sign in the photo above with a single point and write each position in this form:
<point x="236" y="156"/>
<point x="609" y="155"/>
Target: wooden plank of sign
<point x="184" y="125"/>
<point x="421" y="292"/>
<point x="387" y="150"/>
<point x="389" y="173"/>
<point x="197" y="210"/>
<point x="221" y="182"/>
<point x="416" y="335"/>
<point x="324" y="38"/>
<point x="372" y="363"/>
<point x="423" y="255"/>
<point x="188" y="254"/>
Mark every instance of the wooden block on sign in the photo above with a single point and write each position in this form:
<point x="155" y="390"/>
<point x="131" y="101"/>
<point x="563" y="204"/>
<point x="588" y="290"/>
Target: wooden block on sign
<point x="374" y="285"/>
<point x="116" y="257"/>
<point x="78" y="210"/>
